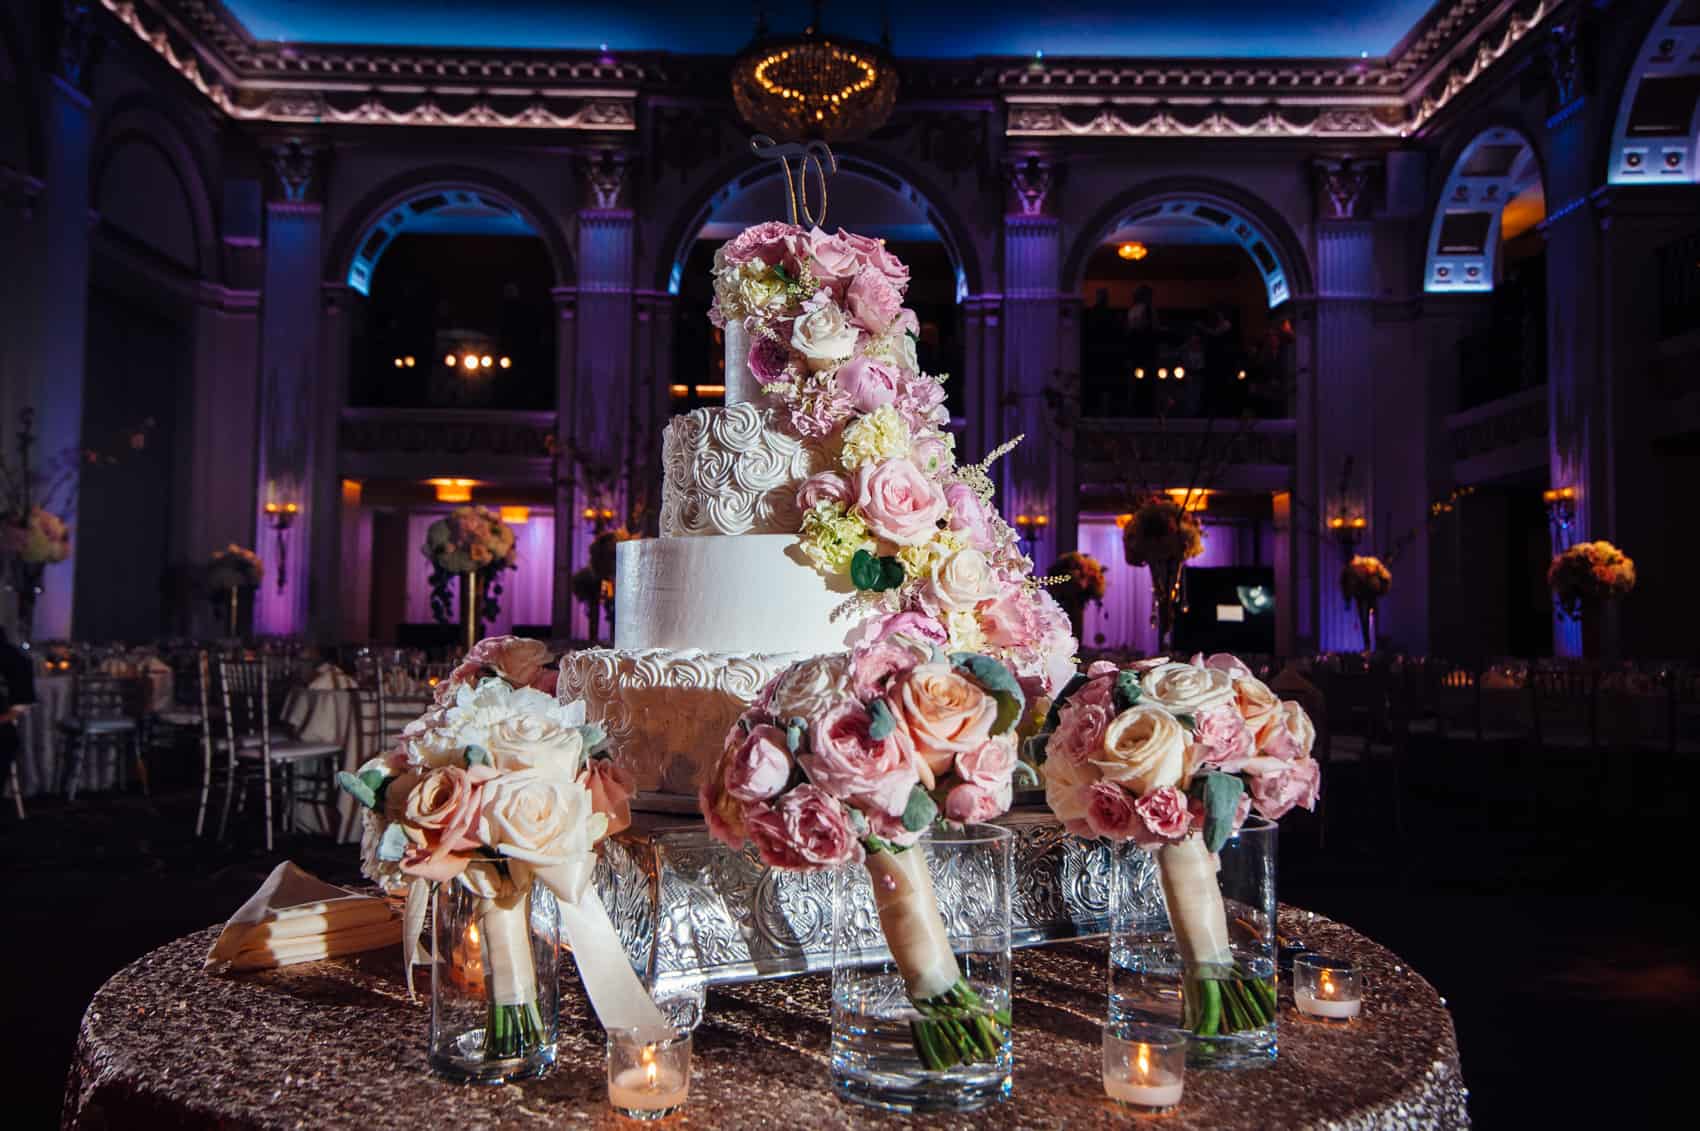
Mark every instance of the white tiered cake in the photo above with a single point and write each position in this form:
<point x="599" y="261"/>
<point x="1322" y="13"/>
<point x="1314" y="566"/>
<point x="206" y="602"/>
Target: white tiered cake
<point x="719" y="604"/>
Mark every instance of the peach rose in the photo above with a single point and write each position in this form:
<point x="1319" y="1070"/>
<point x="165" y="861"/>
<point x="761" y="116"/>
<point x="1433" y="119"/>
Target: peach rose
<point x="1144" y="749"/>
<point x="441" y="810"/>
<point x="940" y="713"/>
<point x="611" y="789"/>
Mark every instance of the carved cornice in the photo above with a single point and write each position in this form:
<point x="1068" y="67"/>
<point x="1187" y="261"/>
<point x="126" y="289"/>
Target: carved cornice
<point x="250" y="80"/>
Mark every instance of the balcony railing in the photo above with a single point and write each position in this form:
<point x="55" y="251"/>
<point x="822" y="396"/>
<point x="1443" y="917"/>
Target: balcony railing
<point x="423" y="442"/>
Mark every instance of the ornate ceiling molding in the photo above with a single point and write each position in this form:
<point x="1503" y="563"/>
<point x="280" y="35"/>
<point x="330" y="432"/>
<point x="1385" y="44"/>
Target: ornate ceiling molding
<point x="251" y="80"/>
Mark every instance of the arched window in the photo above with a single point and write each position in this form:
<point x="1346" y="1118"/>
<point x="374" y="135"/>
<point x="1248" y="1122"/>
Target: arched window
<point x="1656" y="139"/>
<point x="1493" y="196"/>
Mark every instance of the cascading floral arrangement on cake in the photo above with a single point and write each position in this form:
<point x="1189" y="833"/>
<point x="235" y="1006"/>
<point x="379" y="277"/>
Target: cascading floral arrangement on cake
<point x="822" y="507"/>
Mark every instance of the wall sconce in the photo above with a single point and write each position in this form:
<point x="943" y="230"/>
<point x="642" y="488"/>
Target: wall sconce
<point x="1348" y="530"/>
<point x="280" y="517"/>
<point x="515" y="516"/>
<point x="1030" y="526"/>
<point x="1190" y="498"/>
<point x="453" y="490"/>
<point x="597" y="518"/>
<point x="1561" y="507"/>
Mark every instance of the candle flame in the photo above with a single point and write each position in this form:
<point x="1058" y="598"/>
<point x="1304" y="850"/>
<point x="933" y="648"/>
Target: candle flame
<point x="1327" y="986"/>
<point x="650" y="1072"/>
<point x="472" y="934"/>
<point x="1144" y="1062"/>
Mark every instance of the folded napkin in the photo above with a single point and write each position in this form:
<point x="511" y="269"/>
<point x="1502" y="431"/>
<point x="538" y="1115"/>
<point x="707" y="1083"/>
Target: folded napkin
<point x="296" y="917"/>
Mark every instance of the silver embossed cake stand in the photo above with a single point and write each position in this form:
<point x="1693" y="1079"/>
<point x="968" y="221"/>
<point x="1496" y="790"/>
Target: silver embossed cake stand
<point x="692" y="912"/>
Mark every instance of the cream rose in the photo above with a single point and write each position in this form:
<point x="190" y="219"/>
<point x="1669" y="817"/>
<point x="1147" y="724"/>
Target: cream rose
<point x="760" y="291"/>
<point x="539" y="818"/>
<point x="1144" y="749"/>
<point x="536" y="742"/>
<point x="808" y="689"/>
<point x="961" y="581"/>
<point x="940" y="714"/>
<point x="822" y="334"/>
<point x="1187" y="690"/>
<point x="1259" y="706"/>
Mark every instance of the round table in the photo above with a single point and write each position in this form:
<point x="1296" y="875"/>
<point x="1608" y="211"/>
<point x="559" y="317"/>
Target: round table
<point x="338" y="1044"/>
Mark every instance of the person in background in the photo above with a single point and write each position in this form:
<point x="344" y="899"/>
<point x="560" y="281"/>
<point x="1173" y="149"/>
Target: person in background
<point x="17" y="695"/>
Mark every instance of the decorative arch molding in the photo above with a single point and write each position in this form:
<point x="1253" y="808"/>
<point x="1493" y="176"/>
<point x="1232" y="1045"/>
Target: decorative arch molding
<point x="139" y="121"/>
<point x="1656" y="138"/>
<point x="403" y="200"/>
<point x="1257" y="227"/>
<point x="1463" y="238"/>
<point x="743" y="176"/>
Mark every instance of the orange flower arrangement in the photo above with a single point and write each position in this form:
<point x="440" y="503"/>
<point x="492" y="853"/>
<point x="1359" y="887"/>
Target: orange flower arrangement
<point x="1589" y="572"/>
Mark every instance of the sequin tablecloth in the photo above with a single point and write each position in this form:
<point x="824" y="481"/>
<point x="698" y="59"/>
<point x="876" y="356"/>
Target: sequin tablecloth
<point x="338" y="1044"/>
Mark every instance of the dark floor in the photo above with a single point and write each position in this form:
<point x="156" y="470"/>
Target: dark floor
<point x="1565" y="947"/>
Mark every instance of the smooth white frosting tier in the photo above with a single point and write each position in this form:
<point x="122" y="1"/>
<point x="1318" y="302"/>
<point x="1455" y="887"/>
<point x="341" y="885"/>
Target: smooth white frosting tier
<point x="755" y="593"/>
<point x="666" y="713"/>
<point x="741" y="384"/>
<point x="732" y="470"/>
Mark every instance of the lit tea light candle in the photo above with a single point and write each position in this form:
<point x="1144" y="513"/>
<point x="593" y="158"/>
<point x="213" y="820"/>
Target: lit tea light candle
<point x="1326" y="988"/>
<point x="468" y="966"/>
<point x="648" y="1079"/>
<point x="1144" y="1066"/>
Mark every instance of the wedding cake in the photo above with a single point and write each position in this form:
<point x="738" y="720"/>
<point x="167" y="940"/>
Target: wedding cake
<point x="822" y="503"/>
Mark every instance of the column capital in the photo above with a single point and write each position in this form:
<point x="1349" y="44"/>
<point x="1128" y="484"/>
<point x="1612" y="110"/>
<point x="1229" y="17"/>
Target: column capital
<point x="604" y="176"/>
<point x="1032" y="178"/>
<point x="297" y="166"/>
<point x="1343" y="187"/>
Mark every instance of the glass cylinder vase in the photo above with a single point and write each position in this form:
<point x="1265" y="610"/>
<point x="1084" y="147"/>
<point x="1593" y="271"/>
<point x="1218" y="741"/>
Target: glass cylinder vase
<point x="1192" y="944"/>
<point x="928" y="1029"/>
<point x="494" y="1009"/>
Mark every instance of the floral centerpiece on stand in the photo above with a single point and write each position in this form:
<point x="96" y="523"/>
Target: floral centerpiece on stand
<point x="916" y="535"/>
<point x="1365" y="580"/>
<point x="475" y="545"/>
<point x="31" y="540"/>
<point x="848" y="759"/>
<point x="1083" y="581"/>
<point x="1163" y="535"/>
<point x="1589" y="573"/>
<point x="1173" y="757"/>
<point x="496" y="786"/>
<point x="229" y="571"/>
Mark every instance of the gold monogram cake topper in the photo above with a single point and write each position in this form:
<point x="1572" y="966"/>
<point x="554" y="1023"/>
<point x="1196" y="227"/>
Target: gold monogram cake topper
<point x="815" y="154"/>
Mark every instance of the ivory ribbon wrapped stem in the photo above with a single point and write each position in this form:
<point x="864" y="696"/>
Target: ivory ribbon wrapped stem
<point x="909" y="916"/>
<point x="504" y="940"/>
<point x="1187" y="870"/>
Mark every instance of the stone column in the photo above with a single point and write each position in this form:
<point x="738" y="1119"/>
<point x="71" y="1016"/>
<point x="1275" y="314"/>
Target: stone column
<point x="54" y="290"/>
<point x="1033" y="479"/>
<point x="341" y="308"/>
<point x="566" y="617"/>
<point x="982" y="361"/>
<point x="1336" y="421"/>
<point x="291" y="395"/>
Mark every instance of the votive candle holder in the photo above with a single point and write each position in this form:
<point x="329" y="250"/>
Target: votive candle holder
<point x="1144" y="1067"/>
<point x="648" y="1078"/>
<point x="1325" y="988"/>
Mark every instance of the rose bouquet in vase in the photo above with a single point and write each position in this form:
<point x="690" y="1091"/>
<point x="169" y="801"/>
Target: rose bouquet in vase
<point x="497" y="797"/>
<point x="845" y="762"/>
<point x="1365" y="580"/>
<point x="1167" y="761"/>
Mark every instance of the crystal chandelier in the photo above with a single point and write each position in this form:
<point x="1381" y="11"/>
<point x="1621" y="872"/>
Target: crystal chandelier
<point x="814" y="85"/>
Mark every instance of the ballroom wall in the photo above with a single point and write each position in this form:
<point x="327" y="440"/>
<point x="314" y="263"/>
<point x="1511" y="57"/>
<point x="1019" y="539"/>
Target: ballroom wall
<point x="216" y="289"/>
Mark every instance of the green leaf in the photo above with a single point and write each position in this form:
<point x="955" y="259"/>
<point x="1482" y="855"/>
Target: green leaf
<point x="393" y="845"/>
<point x="858" y="821"/>
<point x="998" y="682"/>
<point x="1187" y="721"/>
<point x="865" y="571"/>
<point x="784" y="275"/>
<point x="477" y="756"/>
<point x="1221" y="796"/>
<point x="891" y="573"/>
<point x="356" y="787"/>
<point x="920" y="811"/>
<point x="882" y="721"/>
<point x="875" y="845"/>
<point x="794" y="735"/>
<point x="1127" y="691"/>
<point x="1075" y="683"/>
<point x="1026" y="775"/>
<point x="594" y="736"/>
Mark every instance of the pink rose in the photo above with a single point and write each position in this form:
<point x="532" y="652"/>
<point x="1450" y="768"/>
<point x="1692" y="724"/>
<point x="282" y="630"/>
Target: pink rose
<point x="920" y="401"/>
<point x="834" y="258"/>
<point x="823" y="487"/>
<point x="1008" y="621"/>
<point x="803" y="831"/>
<point x="917" y="626"/>
<point x="872" y="667"/>
<point x="443" y="805"/>
<point x="932" y="452"/>
<point x="547" y="680"/>
<point x="611" y="789"/>
<point x="868" y="383"/>
<point x="890" y="829"/>
<point x="514" y="658"/>
<point x="1298" y="782"/>
<point x="1111" y="811"/>
<point x="899" y="503"/>
<point x="873" y="301"/>
<point x="872" y="253"/>
<point x="940" y="713"/>
<point x="970" y="515"/>
<point x="1080" y="730"/>
<point x="820" y="414"/>
<point x="1290" y="735"/>
<point x="968" y="803"/>
<point x="990" y="765"/>
<point x="848" y="763"/>
<point x="723" y="813"/>
<point x="768" y="359"/>
<point x="1223" y="661"/>
<point x="759" y="767"/>
<point x="1101" y="667"/>
<point x="767" y="242"/>
<point x="1225" y="740"/>
<point x="1099" y="689"/>
<point x="1164" y="815"/>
